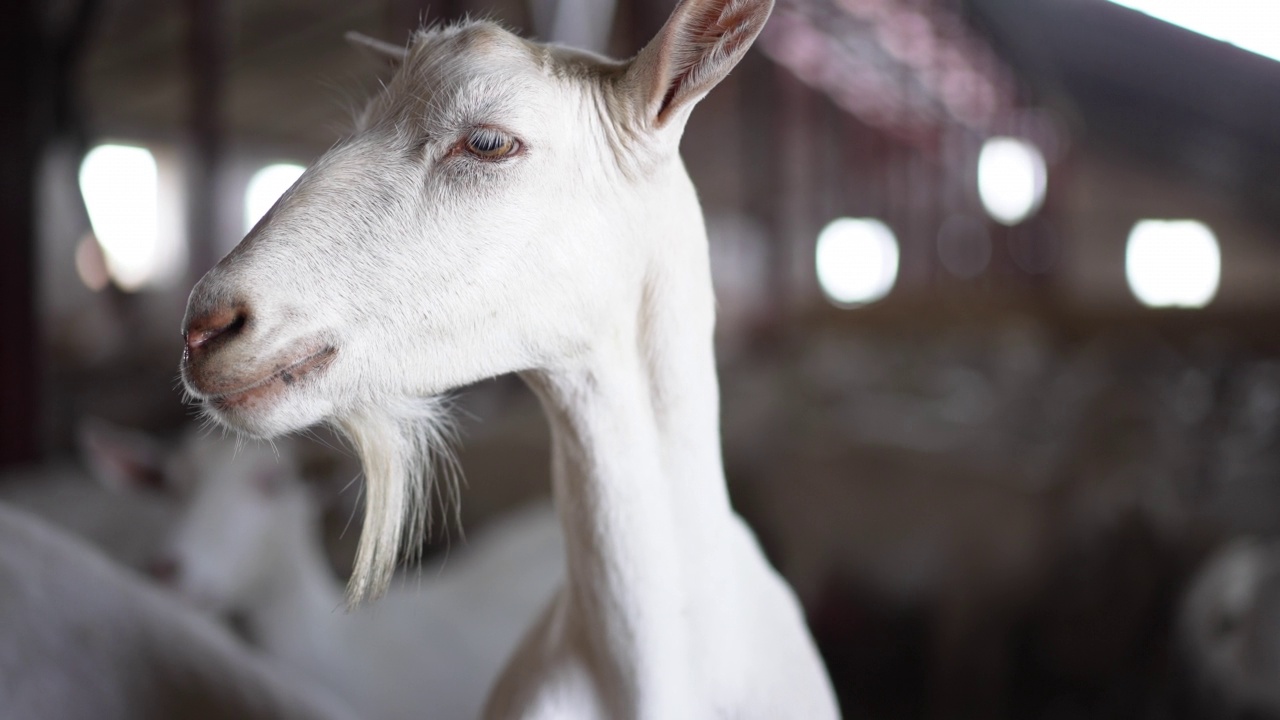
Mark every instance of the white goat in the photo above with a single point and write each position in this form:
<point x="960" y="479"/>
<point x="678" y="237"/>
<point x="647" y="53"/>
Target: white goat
<point x="510" y="206"/>
<point x="248" y="544"/>
<point x="1229" y="627"/>
<point x="81" y="639"/>
<point x="126" y="529"/>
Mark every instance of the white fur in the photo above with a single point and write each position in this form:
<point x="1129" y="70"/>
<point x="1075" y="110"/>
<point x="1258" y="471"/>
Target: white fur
<point x="248" y="544"/>
<point x="406" y="443"/>
<point x="124" y="529"/>
<point x="80" y="639"/>
<point x="413" y="267"/>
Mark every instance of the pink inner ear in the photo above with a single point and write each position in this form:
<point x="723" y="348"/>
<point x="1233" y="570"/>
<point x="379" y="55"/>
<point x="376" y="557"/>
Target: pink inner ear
<point x="714" y="33"/>
<point x="270" y="481"/>
<point x="143" y="476"/>
<point x="124" y="464"/>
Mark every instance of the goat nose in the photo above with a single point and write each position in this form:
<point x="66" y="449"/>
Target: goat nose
<point x="219" y="323"/>
<point x="163" y="570"/>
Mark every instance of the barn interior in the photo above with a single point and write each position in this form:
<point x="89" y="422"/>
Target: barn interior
<point x="997" y="286"/>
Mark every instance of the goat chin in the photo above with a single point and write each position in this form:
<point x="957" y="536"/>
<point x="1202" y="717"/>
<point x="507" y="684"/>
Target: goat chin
<point x="405" y="448"/>
<point x="82" y="639"/>
<point x="268" y="417"/>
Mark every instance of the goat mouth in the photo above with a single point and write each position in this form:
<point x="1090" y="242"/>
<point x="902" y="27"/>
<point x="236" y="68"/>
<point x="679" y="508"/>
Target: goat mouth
<point x="273" y="383"/>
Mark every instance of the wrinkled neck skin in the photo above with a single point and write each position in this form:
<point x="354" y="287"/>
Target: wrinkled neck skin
<point x="662" y="575"/>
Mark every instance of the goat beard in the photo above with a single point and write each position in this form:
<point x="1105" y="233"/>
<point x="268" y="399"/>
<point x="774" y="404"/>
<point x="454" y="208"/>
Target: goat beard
<point x="406" y="451"/>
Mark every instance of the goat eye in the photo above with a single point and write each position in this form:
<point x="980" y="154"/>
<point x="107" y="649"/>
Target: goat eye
<point x="490" y="144"/>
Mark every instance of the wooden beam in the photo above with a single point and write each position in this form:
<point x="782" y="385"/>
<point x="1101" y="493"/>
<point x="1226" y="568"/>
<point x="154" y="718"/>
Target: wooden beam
<point x="207" y="72"/>
<point x="22" y="135"/>
<point x="24" y="128"/>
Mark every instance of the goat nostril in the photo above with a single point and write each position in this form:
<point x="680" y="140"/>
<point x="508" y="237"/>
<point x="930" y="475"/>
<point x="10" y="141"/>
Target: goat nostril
<point x="221" y="323"/>
<point x="163" y="570"/>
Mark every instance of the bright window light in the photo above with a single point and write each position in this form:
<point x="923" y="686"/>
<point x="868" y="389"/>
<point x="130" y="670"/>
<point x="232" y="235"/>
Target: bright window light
<point x="1173" y="263"/>
<point x="121" y="192"/>
<point x="1011" y="179"/>
<point x="1247" y="24"/>
<point x="857" y="261"/>
<point x="265" y="188"/>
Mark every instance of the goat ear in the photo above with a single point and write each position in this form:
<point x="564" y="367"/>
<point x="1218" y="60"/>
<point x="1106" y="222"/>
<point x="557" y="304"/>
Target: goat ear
<point x="119" y="458"/>
<point x="702" y="41"/>
<point x="273" y="481"/>
<point x="384" y="52"/>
